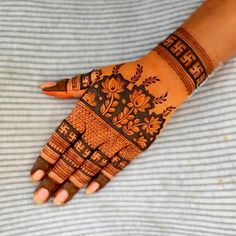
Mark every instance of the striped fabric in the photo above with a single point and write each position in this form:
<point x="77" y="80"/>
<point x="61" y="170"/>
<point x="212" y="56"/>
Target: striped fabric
<point x="185" y="184"/>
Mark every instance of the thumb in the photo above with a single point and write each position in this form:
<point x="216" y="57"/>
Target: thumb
<point x="67" y="88"/>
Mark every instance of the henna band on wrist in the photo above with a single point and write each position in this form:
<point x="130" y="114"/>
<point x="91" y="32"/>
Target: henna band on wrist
<point x="186" y="57"/>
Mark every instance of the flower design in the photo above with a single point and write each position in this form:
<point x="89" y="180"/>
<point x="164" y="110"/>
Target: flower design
<point x="89" y="98"/>
<point x="112" y="87"/>
<point x="142" y="142"/>
<point x="127" y="108"/>
<point x="139" y="101"/>
<point x="151" y="126"/>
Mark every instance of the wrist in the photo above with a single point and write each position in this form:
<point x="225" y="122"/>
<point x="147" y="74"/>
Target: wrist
<point x="170" y="81"/>
<point x="189" y="60"/>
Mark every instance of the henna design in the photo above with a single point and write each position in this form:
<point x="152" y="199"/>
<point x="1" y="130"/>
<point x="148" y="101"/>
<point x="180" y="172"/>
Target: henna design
<point x="89" y="168"/>
<point x="187" y="58"/>
<point x="168" y="110"/>
<point x="161" y="99"/>
<point x="98" y="73"/>
<point x="102" y="180"/>
<point x="137" y="75"/>
<point x="67" y="132"/>
<point x="99" y="159"/>
<point x="85" y="80"/>
<point x="119" y="162"/>
<point x="125" y="110"/>
<point x="82" y="149"/>
<point x="75" y="83"/>
<point x="150" y="80"/>
<point x="62" y="138"/>
<point x="116" y="68"/>
<point x="113" y="122"/>
<point x="70" y="161"/>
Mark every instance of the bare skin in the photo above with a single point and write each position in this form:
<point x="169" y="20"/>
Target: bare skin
<point x="212" y="26"/>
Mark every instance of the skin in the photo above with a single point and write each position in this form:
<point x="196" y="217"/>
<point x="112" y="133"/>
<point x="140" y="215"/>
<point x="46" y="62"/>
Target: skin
<point x="206" y="25"/>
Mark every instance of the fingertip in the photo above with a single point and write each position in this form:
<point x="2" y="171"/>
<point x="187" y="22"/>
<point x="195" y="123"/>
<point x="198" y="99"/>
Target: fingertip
<point x="47" y="85"/>
<point x="61" y="197"/>
<point x="41" y="196"/>
<point x="38" y="175"/>
<point x="92" y="188"/>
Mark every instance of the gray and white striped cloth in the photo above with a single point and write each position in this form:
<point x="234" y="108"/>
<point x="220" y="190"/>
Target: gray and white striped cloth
<point x="185" y="184"/>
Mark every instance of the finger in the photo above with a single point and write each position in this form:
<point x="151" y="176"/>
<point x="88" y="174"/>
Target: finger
<point x="116" y="164"/>
<point x="79" y="178"/>
<point x="68" y="88"/>
<point x="44" y="190"/>
<point x="59" y="142"/>
<point x="70" y="161"/>
<point x="90" y="167"/>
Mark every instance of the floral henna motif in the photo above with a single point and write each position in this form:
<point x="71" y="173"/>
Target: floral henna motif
<point x="161" y="99"/>
<point x="168" y="110"/>
<point x="137" y="75"/>
<point x="150" y="80"/>
<point x="113" y="122"/>
<point x="98" y="73"/>
<point x="125" y="109"/>
<point x="116" y="68"/>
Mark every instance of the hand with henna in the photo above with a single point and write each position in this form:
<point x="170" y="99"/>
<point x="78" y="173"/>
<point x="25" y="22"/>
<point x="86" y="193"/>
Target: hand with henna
<point x="120" y="111"/>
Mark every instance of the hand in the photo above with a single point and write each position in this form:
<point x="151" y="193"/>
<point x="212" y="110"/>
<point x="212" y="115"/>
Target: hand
<point x="122" y="110"/>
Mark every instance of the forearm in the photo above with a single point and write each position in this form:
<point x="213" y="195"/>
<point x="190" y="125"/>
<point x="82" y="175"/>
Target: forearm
<point x="213" y="26"/>
<point x="190" y="54"/>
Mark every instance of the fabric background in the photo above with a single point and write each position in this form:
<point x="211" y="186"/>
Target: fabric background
<point x="184" y="185"/>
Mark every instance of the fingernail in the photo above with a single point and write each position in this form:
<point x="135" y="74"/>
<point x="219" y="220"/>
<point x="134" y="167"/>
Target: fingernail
<point x="41" y="195"/>
<point x="61" y="197"/>
<point x="38" y="175"/>
<point x="48" y="85"/>
<point x="92" y="188"/>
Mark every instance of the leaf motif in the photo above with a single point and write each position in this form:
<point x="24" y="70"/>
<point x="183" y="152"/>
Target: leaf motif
<point x="98" y="73"/>
<point x="121" y="115"/>
<point x="102" y="108"/>
<point x="119" y="125"/>
<point x="111" y="109"/>
<point x="114" y="119"/>
<point x="150" y="80"/>
<point x="130" y="132"/>
<point x="116" y="68"/>
<point x="168" y="110"/>
<point x="124" y="128"/>
<point x="130" y="124"/>
<point x="135" y="129"/>
<point x="107" y="115"/>
<point x="115" y="104"/>
<point x="137" y="75"/>
<point x="130" y="104"/>
<point x="130" y="117"/>
<point x="161" y="99"/>
<point x="107" y="103"/>
<point x="124" y="121"/>
<point x="136" y="121"/>
<point x="126" y="110"/>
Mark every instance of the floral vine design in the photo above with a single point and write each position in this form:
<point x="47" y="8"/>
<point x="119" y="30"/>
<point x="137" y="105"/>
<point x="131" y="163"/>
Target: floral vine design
<point x="116" y="68"/>
<point x="112" y="88"/>
<point x="150" y="80"/>
<point x="98" y="74"/>
<point x="126" y="110"/>
<point x="161" y="99"/>
<point x="137" y="75"/>
<point x="168" y="110"/>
